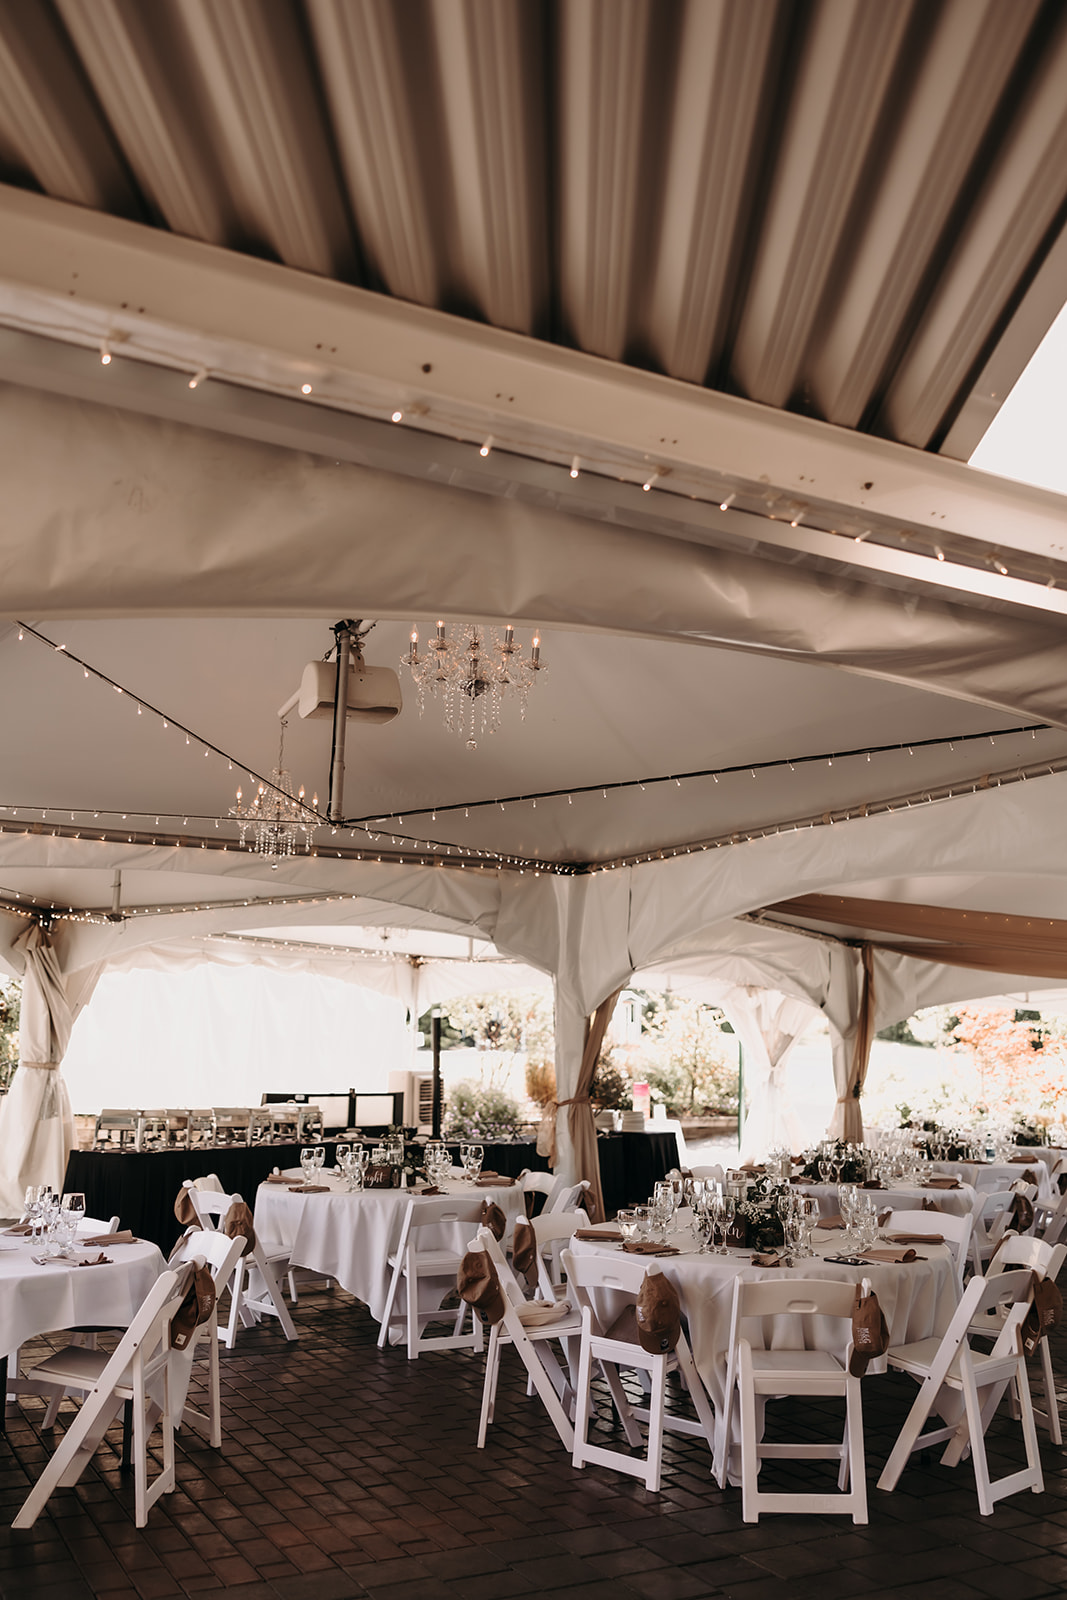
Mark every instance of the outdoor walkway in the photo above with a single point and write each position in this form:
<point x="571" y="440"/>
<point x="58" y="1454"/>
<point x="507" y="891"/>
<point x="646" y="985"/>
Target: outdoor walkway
<point x="347" y="1471"/>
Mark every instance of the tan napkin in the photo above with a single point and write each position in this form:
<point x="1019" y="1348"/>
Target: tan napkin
<point x="893" y="1257"/>
<point x="276" y="1177"/>
<point x="802" y="1180"/>
<point x="124" y="1236"/>
<point x="430" y="1188"/>
<point x="309" y="1188"/>
<point x="96" y="1261"/>
<point x="872" y="1183"/>
<point x="932" y="1205"/>
<point x="21" y="1228"/>
<point x="645" y="1247"/>
<point x="599" y="1235"/>
<point x="915" y="1238"/>
<point x="942" y="1183"/>
<point x="1021" y="1161"/>
<point x="538" y="1313"/>
<point x="493" y="1180"/>
<point x="833" y="1220"/>
<point x="767" y="1261"/>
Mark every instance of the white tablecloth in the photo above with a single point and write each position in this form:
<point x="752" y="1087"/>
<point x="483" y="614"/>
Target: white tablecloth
<point x="918" y="1300"/>
<point x="61" y="1295"/>
<point x="997" y="1175"/>
<point x="956" y="1202"/>
<point x="349" y="1236"/>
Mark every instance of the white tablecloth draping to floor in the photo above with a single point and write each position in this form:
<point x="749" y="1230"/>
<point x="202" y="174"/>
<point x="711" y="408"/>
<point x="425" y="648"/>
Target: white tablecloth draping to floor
<point x="62" y="1295"/>
<point x="1048" y="1153"/>
<point x="998" y="1175"/>
<point x="900" y="1196"/>
<point x="349" y="1236"/>
<point x="918" y="1299"/>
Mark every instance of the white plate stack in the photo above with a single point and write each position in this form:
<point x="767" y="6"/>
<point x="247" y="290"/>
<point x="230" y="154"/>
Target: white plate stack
<point x="633" y="1122"/>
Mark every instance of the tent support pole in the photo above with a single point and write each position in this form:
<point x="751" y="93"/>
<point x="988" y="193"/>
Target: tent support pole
<point x="343" y="635"/>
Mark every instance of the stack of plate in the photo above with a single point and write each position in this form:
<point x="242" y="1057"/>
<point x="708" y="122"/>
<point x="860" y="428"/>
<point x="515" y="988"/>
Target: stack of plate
<point x="633" y="1122"/>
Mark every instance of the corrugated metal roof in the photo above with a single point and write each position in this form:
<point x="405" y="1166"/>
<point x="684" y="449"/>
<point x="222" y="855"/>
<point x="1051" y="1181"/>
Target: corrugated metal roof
<point x="834" y="207"/>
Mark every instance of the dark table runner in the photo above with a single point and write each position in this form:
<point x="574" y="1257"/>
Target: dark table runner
<point x="140" y="1187"/>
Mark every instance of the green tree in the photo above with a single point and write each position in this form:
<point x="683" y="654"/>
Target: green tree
<point x="10" y="1006"/>
<point x="686" y="1056"/>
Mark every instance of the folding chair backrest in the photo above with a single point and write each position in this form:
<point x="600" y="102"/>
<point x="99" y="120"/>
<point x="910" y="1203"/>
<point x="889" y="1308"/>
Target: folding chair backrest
<point x="1056" y="1225"/>
<point x="991" y="1214"/>
<point x="554" y="1228"/>
<point x="779" y="1297"/>
<point x="956" y="1231"/>
<point x="210" y="1203"/>
<point x="486" y="1240"/>
<point x="89" y="1226"/>
<point x="1022" y="1250"/>
<point x="716" y="1173"/>
<point x="620" y="1274"/>
<point x="567" y="1196"/>
<point x="213" y="1248"/>
<point x="983" y="1297"/>
<point x="429" y="1211"/>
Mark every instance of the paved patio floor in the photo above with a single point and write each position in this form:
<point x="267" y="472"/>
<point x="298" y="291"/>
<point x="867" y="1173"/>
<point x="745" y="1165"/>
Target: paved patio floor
<point x="348" y="1471"/>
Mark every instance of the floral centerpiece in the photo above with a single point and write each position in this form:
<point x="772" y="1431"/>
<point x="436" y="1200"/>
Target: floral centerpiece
<point x="761" y="1214"/>
<point x="851" y="1164"/>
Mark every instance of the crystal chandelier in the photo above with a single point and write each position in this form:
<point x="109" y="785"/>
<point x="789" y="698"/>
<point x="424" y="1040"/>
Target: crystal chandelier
<point x="279" y="820"/>
<point x="471" y="673"/>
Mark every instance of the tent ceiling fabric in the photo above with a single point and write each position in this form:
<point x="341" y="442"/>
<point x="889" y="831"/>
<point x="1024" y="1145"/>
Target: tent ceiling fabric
<point x="807" y="245"/>
<point x="835" y="208"/>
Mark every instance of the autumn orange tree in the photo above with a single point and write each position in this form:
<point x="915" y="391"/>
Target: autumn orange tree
<point x="1018" y="1066"/>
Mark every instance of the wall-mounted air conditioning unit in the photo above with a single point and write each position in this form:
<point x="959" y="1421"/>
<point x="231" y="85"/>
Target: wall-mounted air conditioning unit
<point x="418" y="1098"/>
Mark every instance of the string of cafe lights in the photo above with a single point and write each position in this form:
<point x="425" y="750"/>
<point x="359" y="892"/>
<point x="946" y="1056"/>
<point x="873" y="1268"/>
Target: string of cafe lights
<point x="778" y="764"/>
<point x="434" y="848"/>
<point x="782" y="506"/>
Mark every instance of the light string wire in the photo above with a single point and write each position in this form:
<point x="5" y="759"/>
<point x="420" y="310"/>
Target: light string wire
<point x="788" y="508"/>
<point x="254" y="777"/>
<point x="826" y="756"/>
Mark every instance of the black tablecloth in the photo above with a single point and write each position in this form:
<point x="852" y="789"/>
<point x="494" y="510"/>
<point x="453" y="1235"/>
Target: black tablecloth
<point x="140" y="1187"/>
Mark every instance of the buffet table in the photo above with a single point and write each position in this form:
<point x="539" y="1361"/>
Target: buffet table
<point x="139" y="1186"/>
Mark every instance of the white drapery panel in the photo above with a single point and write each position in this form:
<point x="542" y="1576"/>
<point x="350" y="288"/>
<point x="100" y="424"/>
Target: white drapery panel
<point x="768" y="1024"/>
<point x="232" y="526"/>
<point x="36" y="1124"/>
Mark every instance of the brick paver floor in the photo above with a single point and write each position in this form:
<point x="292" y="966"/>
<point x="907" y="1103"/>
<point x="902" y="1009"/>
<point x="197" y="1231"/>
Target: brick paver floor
<point x="347" y="1471"/>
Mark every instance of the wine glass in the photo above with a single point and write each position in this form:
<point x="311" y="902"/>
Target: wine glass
<point x="74" y="1206"/>
<point x="727" y="1213"/>
<point x="473" y="1161"/>
<point x="341" y="1154"/>
<point x="626" y="1222"/>
<point x="808" y="1212"/>
<point x="307" y="1161"/>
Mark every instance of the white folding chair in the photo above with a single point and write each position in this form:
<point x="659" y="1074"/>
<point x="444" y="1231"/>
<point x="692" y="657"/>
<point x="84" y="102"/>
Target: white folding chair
<point x="533" y="1343"/>
<point x="546" y="1183"/>
<point x="1056" y="1220"/>
<point x="955" y="1231"/>
<point x="951" y="1362"/>
<point x="716" y="1173"/>
<point x="757" y="1372"/>
<point x="249" y="1299"/>
<point x="568" y="1196"/>
<point x="137" y="1371"/>
<point x="551" y="1230"/>
<point x="992" y="1215"/>
<point x="616" y="1346"/>
<point x="220" y="1255"/>
<point x="1018" y="1250"/>
<point x="89" y="1227"/>
<point x="416" y="1259"/>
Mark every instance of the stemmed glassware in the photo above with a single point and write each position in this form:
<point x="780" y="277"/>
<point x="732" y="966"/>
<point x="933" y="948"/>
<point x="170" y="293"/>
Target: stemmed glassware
<point x="307" y="1161"/>
<point x="472" y="1155"/>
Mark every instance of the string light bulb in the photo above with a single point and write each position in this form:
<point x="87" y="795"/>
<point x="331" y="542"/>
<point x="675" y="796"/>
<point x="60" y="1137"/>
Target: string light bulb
<point x="198" y="377"/>
<point x="105" y="353"/>
<point x="487" y="446"/>
<point x="305" y="388"/>
<point x="575" y="465"/>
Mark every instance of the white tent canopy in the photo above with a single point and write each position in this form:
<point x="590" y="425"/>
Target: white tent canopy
<point x="795" y="644"/>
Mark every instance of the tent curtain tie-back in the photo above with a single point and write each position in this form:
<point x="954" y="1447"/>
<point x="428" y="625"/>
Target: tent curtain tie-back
<point x="45" y="1066"/>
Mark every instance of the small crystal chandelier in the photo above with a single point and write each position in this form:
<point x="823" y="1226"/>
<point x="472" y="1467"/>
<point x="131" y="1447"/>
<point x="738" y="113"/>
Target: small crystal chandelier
<point x="471" y="674"/>
<point x="280" y="821"/>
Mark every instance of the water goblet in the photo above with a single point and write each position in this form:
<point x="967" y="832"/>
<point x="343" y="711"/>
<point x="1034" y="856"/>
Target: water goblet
<point x="643" y="1222"/>
<point x="727" y="1214"/>
<point x="662" y="1209"/>
<point x="808" y="1212"/>
<point x="341" y="1153"/>
<point x="307" y="1161"/>
<point x="847" y="1199"/>
<point x="626" y="1221"/>
<point x="475" y="1157"/>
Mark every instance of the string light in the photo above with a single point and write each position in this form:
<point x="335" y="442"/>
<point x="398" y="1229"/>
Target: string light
<point x="650" y="480"/>
<point x="398" y="416"/>
<point x="575" y="466"/>
<point x="305" y="388"/>
<point x="198" y="377"/>
<point x="487" y="446"/>
<point x="105" y="354"/>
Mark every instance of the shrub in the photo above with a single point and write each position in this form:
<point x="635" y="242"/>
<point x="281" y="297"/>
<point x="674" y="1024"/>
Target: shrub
<point x="473" y="1112"/>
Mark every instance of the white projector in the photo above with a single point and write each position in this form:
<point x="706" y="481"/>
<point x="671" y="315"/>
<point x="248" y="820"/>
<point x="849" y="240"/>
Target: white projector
<point x="373" y="692"/>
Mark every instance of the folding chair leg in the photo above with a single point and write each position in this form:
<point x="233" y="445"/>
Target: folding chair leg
<point x="492" y="1369"/>
<point x="387" y="1314"/>
<point x="1052" y="1410"/>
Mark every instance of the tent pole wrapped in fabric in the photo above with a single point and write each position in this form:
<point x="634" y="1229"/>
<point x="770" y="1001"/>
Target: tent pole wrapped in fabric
<point x="36" y="1121"/>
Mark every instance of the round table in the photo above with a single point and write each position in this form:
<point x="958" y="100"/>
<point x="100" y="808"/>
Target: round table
<point x="897" y="1196"/>
<point x="918" y="1298"/>
<point x="1000" y="1175"/>
<point x="62" y="1294"/>
<point x="349" y="1236"/>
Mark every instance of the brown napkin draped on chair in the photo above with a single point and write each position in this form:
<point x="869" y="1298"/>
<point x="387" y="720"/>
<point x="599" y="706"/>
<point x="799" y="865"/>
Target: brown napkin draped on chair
<point x="1045" y="1313"/>
<point x="892" y="1257"/>
<point x="870" y="1332"/>
<point x="124" y="1236"/>
<point x="1022" y="1213"/>
<point x="494" y="1219"/>
<point x="238" y="1224"/>
<point x="196" y="1307"/>
<point x="659" y="1314"/>
<point x="479" y="1286"/>
<point x="524" y="1251"/>
<point x="184" y="1209"/>
<point x="931" y="1205"/>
